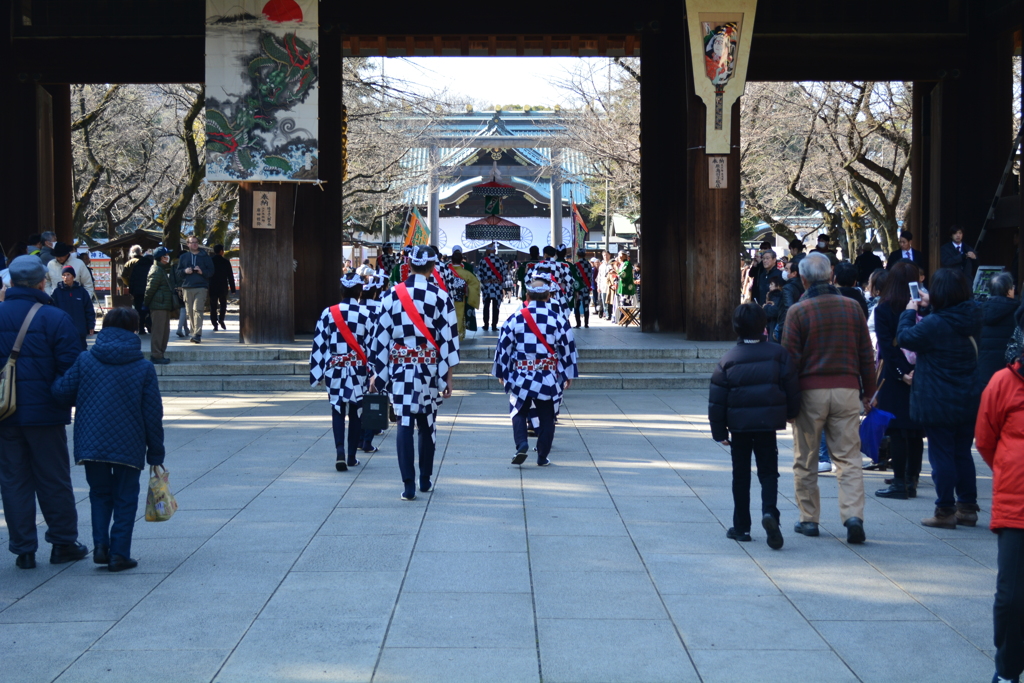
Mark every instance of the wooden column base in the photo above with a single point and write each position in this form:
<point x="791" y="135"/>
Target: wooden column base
<point x="267" y="307"/>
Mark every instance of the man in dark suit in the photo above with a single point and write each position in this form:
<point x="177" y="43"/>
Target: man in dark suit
<point x="906" y="252"/>
<point x="957" y="254"/>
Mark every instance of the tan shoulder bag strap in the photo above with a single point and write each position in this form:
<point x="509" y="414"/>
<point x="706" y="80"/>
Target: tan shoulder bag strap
<point x="16" y="349"/>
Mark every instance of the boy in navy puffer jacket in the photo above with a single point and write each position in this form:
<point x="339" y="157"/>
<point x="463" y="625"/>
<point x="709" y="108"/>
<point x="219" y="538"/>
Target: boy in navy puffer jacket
<point x="754" y="391"/>
<point x="118" y="430"/>
<point x="72" y="298"/>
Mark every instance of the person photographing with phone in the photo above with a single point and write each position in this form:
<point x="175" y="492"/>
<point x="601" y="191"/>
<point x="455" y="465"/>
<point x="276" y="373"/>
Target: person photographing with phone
<point x="946" y="389"/>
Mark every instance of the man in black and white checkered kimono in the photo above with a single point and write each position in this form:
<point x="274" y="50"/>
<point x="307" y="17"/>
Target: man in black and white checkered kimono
<point x="334" y="362"/>
<point x="561" y="278"/>
<point x="387" y="259"/>
<point x="415" y="371"/>
<point x="491" y="272"/>
<point x="581" y="274"/>
<point x="535" y="373"/>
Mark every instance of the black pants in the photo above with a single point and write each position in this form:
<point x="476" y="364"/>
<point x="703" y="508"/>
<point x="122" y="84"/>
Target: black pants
<point x="34" y="464"/>
<point x="406" y="453"/>
<point x="766" y="455"/>
<point x="218" y="302"/>
<point x="1008" y="612"/>
<point x="586" y="313"/>
<point x="489" y="306"/>
<point x="137" y="302"/>
<point x="906" y="452"/>
<point x="355" y="431"/>
<point x="545" y="412"/>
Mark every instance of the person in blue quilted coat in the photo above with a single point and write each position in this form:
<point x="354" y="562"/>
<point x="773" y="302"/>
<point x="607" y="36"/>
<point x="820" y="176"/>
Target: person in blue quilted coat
<point x="33" y="442"/>
<point x="118" y="430"/>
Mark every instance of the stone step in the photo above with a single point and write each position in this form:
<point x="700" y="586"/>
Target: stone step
<point x="712" y="351"/>
<point x="197" y="353"/>
<point x="611" y="366"/>
<point x="474" y="382"/>
<point x="229" y="368"/>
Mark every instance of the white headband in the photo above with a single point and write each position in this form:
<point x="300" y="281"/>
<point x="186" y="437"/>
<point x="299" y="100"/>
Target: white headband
<point x="421" y="256"/>
<point x="351" y="280"/>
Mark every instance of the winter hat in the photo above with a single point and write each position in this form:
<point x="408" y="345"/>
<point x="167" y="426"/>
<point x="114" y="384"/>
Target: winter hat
<point x="160" y="252"/>
<point x="61" y="249"/>
<point x="27" y="269"/>
<point x="68" y="269"/>
<point x="457" y="248"/>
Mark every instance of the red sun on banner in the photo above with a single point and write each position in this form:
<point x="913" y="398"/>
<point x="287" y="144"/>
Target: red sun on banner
<point x="282" y="10"/>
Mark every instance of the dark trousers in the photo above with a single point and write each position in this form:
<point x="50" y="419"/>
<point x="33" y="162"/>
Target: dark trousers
<point x="545" y="412"/>
<point x="137" y="303"/>
<point x="906" y="453"/>
<point x="355" y="431"/>
<point x="586" y="313"/>
<point x="406" y="453"/>
<point x="600" y="305"/>
<point x="114" y="495"/>
<point x="1008" y="612"/>
<point x="949" y="452"/>
<point x="34" y="463"/>
<point x="367" y="441"/>
<point x="766" y="455"/>
<point x="491" y="305"/>
<point x="218" y="305"/>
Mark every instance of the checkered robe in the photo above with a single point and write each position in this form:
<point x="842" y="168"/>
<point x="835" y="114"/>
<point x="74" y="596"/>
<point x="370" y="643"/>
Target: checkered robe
<point x="562" y="275"/>
<point x="582" y="274"/>
<point x="345" y="384"/>
<point x="516" y="342"/>
<point x="447" y="276"/>
<point x="387" y="262"/>
<point x="491" y="284"/>
<point x="415" y="389"/>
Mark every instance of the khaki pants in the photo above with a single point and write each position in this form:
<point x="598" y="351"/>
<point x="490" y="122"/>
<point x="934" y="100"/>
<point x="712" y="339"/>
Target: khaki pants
<point x="160" y="332"/>
<point x="838" y="412"/>
<point x="195" y="303"/>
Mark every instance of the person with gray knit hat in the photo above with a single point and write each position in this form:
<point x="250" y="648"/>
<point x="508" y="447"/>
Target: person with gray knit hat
<point x="34" y="460"/>
<point x="159" y="298"/>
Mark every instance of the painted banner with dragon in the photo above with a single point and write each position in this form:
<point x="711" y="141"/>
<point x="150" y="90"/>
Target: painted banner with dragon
<point x="261" y="90"/>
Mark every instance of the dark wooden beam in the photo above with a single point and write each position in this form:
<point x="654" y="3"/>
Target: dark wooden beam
<point x="266" y="310"/>
<point x="63" y="192"/>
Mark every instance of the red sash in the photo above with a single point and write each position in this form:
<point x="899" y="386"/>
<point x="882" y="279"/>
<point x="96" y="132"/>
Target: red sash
<point x="532" y="324"/>
<point x="440" y="281"/>
<point x="581" y="266"/>
<point x="410" y="310"/>
<point x="455" y="272"/>
<point x="346" y="333"/>
<point x="494" y="269"/>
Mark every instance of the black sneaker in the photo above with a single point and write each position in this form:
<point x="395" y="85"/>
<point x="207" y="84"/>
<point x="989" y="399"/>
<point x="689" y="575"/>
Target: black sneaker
<point x="806" y="528"/>
<point x="520" y="456"/>
<point x="353" y="462"/>
<point x="854" y="530"/>
<point x="543" y="463"/>
<point x="426" y="486"/>
<point x="771" y="526"/>
<point x="369" y="449"/>
<point x="737" y="535"/>
<point x="340" y="466"/>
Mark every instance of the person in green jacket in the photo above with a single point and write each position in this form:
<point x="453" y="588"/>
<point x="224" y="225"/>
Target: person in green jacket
<point x="159" y="298"/>
<point x="627" y="288"/>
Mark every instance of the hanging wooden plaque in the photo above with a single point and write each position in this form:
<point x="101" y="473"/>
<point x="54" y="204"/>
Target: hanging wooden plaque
<point x="718" y="177"/>
<point x="264" y="210"/>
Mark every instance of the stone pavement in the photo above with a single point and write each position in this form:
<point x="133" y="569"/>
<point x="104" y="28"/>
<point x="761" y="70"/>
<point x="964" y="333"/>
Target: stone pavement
<point x="610" y="565"/>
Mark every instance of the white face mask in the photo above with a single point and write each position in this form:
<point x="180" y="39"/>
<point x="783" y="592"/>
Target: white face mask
<point x="785" y="275"/>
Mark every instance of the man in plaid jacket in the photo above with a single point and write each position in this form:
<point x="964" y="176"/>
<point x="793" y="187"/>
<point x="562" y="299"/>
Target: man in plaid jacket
<point x="415" y="346"/>
<point x="827" y="338"/>
<point x="535" y="368"/>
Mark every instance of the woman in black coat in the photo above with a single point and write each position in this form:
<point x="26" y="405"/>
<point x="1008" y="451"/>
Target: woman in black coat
<point x="997" y="314"/>
<point x="946" y="391"/>
<point x="906" y="438"/>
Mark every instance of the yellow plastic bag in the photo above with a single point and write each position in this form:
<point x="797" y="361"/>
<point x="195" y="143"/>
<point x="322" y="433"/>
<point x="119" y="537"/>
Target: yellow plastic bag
<point x="160" y="503"/>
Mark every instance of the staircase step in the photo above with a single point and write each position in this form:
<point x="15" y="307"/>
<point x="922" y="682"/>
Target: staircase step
<point x="611" y="366"/>
<point x="708" y="350"/>
<point x="231" y="368"/>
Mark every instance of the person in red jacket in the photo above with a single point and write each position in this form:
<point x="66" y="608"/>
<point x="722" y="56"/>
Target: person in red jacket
<point x="999" y="435"/>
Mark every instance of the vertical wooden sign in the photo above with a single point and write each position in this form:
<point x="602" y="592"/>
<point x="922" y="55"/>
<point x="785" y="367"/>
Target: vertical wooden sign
<point x="718" y="177"/>
<point x="264" y="207"/>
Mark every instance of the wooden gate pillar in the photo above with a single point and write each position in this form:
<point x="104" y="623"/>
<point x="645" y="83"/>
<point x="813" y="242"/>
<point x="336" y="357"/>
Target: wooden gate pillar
<point x="266" y="305"/>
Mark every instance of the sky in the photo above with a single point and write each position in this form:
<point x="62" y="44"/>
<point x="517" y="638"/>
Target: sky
<point x="487" y="80"/>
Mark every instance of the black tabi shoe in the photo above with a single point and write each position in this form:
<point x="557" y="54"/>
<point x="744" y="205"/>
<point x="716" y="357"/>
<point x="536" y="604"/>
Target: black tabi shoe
<point x="340" y="466"/>
<point x="67" y="553"/>
<point x="101" y="554"/>
<point x="771" y="527"/>
<point x="854" y="530"/>
<point x="26" y="561"/>
<point x="119" y="564"/>
<point x="410" y="491"/>
<point x="806" y="528"/>
<point x="543" y="463"/>
<point x="520" y="456"/>
<point x="353" y="462"/>
<point x="426" y="486"/>
<point x="369" y="449"/>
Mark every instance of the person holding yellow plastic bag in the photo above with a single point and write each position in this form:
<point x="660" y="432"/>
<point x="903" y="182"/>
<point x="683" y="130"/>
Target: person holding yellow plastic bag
<point x="118" y="430"/>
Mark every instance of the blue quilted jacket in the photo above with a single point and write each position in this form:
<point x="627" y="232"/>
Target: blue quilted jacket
<point x="119" y="415"/>
<point x="51" y="346"/>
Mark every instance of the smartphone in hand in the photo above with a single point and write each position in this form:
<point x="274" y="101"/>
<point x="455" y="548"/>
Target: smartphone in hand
<point x="915" y="291"/>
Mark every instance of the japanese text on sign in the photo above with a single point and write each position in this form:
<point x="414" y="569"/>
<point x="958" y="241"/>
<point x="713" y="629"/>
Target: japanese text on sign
<point x="717" y="175"/>
<point x="264" y="206"/>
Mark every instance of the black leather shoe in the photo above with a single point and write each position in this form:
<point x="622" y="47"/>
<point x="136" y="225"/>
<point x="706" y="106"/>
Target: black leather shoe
<point x="806" y="528"/>
<point x="771" y="527"/>
<point x="26" y="561"/>
<point x="67" y="553"/>
<point x="854" y="530"/>
<point x="737" y="535"/>
<point x="101" y="554"/>
<point x="119" y="564"/>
